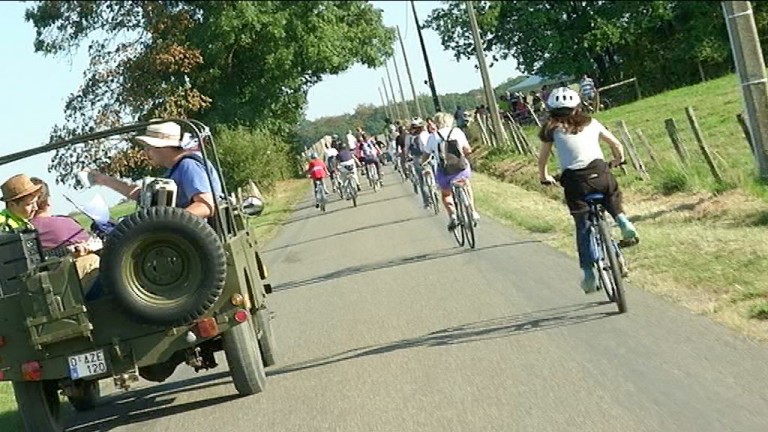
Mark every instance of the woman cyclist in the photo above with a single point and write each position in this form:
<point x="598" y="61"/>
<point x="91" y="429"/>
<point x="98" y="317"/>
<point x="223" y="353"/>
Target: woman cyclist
<point x="456" y="145"/>
<point x="576" y="138"/>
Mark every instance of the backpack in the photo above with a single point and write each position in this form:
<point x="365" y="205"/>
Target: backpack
<point x="450" y="158"/>
<point x="414" y="147"/>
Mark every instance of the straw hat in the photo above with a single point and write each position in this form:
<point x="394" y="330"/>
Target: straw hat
<point x="161" y="135"/>
<point x="18" y="186"/>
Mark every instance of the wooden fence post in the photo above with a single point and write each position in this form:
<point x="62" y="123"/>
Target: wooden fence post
<point x="702" y="145"/>
<point x="747" y="134"/>
<point x="647" y="146"/>
<point x="680" y="149"/>
<point x="633" y="155"/>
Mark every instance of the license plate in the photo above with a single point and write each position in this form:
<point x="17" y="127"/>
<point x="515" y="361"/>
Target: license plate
<point x="87" y="364"/>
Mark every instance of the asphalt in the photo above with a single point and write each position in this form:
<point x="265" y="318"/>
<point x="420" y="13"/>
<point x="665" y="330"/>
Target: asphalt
<point x="385" y="324"/>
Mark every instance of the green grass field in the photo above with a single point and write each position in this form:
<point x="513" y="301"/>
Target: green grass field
<point x="698" y="244"/>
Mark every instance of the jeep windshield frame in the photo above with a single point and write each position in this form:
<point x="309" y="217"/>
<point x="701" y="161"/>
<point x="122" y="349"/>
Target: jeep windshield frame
<point x="199" y="131"/>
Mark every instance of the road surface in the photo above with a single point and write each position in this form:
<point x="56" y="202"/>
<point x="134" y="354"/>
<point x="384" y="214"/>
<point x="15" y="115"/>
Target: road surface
<point x="386" y="325"/>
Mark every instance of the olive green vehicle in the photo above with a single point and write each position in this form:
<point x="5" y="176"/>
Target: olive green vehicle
<point x="175" y="289"/>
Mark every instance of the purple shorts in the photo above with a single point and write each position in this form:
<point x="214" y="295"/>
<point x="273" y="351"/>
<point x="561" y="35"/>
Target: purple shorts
<point x="444" y="180"/>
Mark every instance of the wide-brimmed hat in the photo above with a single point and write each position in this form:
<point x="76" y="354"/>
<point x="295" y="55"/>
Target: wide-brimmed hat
<point x="161" y="135"/>
<point x="18" y="186"/>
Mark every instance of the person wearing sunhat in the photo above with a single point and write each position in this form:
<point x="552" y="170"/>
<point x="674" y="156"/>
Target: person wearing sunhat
<point x="20" y="197"/>
<point x="162" y="143"/>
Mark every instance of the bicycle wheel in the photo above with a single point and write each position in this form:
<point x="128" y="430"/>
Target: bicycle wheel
<point x="435" y="201"/>
<point x="458" y="232"/>
<point x="614" y="271"/>
<point x="468" y="224"/>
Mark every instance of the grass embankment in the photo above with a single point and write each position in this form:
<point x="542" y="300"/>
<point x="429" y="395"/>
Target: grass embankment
<point x="280" y="203"/>
<point x="702" y="243"/>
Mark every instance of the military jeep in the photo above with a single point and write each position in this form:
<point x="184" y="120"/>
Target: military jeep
<point x="174" y="288"/>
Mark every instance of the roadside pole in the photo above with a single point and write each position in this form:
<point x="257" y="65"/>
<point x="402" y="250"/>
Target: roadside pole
<point x="750" y="66"/>
<point x="499" y="133"/>
<point x="410" y="78"/>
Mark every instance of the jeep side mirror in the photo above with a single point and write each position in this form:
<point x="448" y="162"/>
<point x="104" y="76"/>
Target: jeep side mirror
<point x="253" y="206"/>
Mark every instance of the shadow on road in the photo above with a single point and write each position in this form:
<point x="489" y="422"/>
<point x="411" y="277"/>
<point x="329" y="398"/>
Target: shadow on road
<point x="153" y="402"/>
<point x="395" y="262"/>
<point x="495" y="328"/>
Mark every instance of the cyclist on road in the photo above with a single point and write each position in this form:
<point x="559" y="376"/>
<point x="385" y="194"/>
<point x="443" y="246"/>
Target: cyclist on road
<point x="369" y="153"/>
<point x="449" y="146"/>
<point x="317" y="171"/>
<point x="419" y="138"/>
<point x="331" y="154"/>
<point x="348" y="165"/>
<point x="576" y="138"/>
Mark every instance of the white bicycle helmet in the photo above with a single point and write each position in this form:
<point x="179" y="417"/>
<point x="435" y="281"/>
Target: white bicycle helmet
<point x="563" y="97"/>
<point x="417" y="122"/>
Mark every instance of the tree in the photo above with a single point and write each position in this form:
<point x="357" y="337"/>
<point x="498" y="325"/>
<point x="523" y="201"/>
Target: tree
<point x="660" y="42"/>
<point x="225" y="63"/>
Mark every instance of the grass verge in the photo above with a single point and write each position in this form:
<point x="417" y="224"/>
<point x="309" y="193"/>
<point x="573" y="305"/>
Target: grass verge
<point x="279" y="206"/>
<point x="695" y="249"/>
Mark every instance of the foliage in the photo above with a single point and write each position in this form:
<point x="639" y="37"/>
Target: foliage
<point x="663" y="43"/>
<point x="373" y="118"/>
<point x="230" y="63"/>
<point x="253" y="154"/>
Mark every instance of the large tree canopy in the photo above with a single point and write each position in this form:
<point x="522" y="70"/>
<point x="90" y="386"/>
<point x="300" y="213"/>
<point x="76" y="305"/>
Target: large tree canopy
<point x="663" y="43"/>
<point x="225" y="63"/>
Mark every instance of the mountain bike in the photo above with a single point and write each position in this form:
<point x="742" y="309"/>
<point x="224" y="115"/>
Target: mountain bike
<point x="320" y="198"/>
<point x="465" y="227"/>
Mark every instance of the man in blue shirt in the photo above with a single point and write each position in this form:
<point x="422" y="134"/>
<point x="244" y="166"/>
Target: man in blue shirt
<point x="163" y="146"/>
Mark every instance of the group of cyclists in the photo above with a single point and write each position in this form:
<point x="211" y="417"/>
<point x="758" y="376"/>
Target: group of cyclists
<point x="438" y="146"/>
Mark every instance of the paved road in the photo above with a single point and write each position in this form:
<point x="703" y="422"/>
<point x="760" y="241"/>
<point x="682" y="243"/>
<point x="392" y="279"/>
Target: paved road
<point x="386" y="325"/>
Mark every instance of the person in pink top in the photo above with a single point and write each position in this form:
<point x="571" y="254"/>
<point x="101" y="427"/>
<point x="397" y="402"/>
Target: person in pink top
<point x="65" y="234"/>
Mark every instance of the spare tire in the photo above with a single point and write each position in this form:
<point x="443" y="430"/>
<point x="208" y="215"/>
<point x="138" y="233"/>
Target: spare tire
<point x="164" y="265"/>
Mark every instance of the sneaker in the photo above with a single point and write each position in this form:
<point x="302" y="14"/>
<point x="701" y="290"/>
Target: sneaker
<point x="452" y="224"/>
<point x="589" y="282"/>
<point x="628" y="231"/>
<point x="475" y="216"/>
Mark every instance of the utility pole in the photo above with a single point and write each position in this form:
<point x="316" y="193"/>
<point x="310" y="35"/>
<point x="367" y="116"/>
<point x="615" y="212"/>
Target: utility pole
<point x="407" y="112"/>
<point x="495" y="117"/>
<point x="393" y="106"/>
<point x="384" y="104"/>
<point x="430" y="80"/>
<point x="392" y="92"/>
<point x="410" y="78"/>
<point x="750" y="66"/>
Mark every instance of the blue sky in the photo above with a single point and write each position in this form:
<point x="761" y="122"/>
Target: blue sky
<point x="34" y="88"/>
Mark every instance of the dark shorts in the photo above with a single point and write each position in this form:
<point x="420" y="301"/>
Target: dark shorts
<point x="444" y="180"/>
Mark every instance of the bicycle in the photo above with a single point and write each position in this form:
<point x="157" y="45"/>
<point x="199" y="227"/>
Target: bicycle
<point x="431" y="186"/>
<point x="349" y="188"/>
<point x="608" y="259"/>
<point x="605" y="251"/>
<point x="374" y="179"/>
<point x="465" y="227"/>
<point x="320" y="199"/>
<point x="413" y="175"/>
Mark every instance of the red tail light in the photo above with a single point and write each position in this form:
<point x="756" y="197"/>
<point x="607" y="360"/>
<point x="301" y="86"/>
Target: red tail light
<point x="31" y="371"/>
<point x="2" y="341"/>
<point x="241" y="315"/>
<point x="207" y="327"/>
